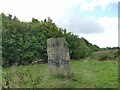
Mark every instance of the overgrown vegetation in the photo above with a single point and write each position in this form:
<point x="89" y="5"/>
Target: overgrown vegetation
<point x="89" y="74"/>
<point x="25" y="42"/>
<point x="105" y="55"/>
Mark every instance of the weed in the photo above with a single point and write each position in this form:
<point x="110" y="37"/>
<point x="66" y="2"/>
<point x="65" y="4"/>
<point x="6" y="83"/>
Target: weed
<point x="86" y="73"/>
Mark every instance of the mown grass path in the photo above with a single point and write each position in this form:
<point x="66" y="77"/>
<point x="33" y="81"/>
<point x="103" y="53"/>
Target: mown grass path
<point x="96" y="74"/>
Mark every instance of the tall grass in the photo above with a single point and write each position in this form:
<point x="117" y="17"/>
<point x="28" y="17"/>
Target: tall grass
<point x="105" y="55"/>
<point x="89" y="74"/>
<point x="0" y="77"/>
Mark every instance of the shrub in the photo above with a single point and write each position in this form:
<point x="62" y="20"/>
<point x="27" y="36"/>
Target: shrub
<point x="105" y="55"/>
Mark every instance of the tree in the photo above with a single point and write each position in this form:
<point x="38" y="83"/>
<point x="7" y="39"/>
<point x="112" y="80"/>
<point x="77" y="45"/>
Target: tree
<point x="35" y="20"/>
<point x="25" y="42"/>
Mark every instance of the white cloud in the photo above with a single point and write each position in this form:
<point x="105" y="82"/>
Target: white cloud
<point x="58" y="11"/>
<point x="73" y="21"/>
<point x="109" y="37"/>
<point x="119" y="32"/>
<point x="66" y="21"/>
<point x="90" y="5"/>
<point x="109" y="23"/>
<point x="26" y="9"/>
<point x="79" y="25"/>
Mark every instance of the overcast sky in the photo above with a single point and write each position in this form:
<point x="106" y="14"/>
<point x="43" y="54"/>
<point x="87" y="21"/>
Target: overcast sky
<point x="95" y="20"/>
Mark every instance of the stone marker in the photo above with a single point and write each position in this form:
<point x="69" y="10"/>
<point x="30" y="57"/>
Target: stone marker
<point x="58" y="56"/>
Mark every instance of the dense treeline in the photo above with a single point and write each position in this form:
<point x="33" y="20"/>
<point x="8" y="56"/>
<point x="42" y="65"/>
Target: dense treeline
<point x="111" y="48"/>
<point x="25" y="42"/>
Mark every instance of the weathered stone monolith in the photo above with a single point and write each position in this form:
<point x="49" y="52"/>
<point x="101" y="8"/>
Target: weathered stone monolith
<point x="58" y="56"/>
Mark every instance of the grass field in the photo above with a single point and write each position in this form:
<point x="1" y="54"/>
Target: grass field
<point x="0" y="77"/>
<point x="89" y="74"/>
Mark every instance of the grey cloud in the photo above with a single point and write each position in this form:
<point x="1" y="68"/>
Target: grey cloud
<point x="85" y="26"/>
<point x="78" y="24"/>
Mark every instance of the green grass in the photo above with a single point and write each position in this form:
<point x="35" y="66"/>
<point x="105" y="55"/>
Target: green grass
<point x="89" y="74"/>
<point x="0" y="78"/>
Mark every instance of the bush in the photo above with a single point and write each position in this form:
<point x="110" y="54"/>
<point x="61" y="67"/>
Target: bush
<point x="105" y="55"/>
<point x="26" y="42"/>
